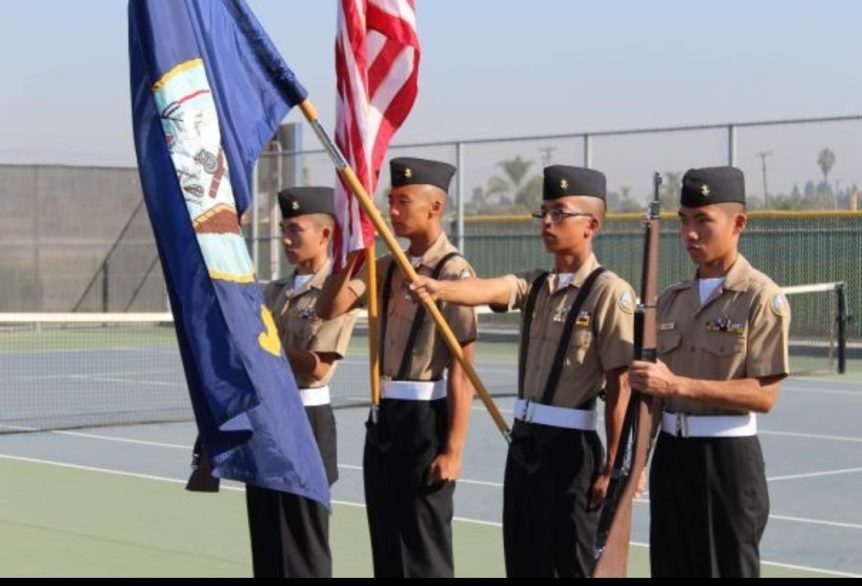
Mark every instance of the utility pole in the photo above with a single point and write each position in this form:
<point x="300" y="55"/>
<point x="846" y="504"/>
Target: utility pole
<point x="763" y="156"/>
<point x="548" y="155"/>
<point x="838" y="183"/>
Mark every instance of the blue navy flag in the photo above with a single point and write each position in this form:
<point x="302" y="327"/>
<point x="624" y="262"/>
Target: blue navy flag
<point x="208" y="90"/>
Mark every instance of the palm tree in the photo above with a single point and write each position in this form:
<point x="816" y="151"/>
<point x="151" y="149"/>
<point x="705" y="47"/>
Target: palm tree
<point x="522" y="191"/>
<point x="826" y="160"/>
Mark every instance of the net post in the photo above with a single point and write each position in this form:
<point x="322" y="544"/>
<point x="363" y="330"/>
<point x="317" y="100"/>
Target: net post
<point x="843" y="318"/>
<point x="105" y="286"/>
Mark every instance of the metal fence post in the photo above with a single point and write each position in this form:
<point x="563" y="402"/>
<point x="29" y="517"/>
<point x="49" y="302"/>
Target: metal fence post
<point x="255" y="217"/>
<point x="273" y="215"/>
<point x="459" y="158"/>
<point x="588" y="151"/>
<point x="37" y="245"/>
<point x="731" y="145"/>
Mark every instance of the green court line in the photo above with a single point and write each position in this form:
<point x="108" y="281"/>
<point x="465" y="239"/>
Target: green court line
<point x="57" y="520"/>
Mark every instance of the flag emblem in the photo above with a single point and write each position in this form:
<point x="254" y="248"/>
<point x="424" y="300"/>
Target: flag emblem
<point x="188" y="114"/>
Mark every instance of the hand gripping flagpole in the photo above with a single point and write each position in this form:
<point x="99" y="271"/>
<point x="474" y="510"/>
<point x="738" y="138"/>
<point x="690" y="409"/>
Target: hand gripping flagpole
<point x="356" y="187"/>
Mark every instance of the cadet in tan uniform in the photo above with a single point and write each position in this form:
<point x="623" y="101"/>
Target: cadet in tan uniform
<point x="577" y="335"/>
<point x="413" y="451"/>
<point x="723" y="351"/>
<point x="290" y="533"/>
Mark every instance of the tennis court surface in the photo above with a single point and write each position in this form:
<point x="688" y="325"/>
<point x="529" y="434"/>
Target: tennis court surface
<point x="93" y="469"/>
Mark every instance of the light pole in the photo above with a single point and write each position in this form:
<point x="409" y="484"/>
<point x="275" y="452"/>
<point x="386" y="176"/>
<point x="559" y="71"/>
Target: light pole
<point x="763" y="156"/>
<point x="835" y="195"/>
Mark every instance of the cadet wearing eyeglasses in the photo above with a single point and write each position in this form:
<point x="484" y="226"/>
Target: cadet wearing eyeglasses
<point x="577" y="337"/>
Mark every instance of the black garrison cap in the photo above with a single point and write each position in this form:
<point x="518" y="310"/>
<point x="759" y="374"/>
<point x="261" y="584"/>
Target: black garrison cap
<point x="300" y="201"/>
<point x="703" y="187"/>
<point x="410" y="171"/>
<point x="562" y="180"/>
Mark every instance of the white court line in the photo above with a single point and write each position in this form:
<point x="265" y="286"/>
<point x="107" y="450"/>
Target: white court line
<point x="814" y="474"/>
<point x="123" y="440"/>
<point x="460" y="480"/>
<point x="821" y="392"/>
<point x="189" y="448"/>
<point x="497" y="485"/>
<point x="38" y="351"/>
<point x="105" y="379"/>
<point x="838" y="524"/>
<point x="360" y="505"/>
<point x="89" y="374"/>
<point x="837" y="438"/>
<point x="359" y="468"/>
<point x="645" y="501"/>
<point x="810" y="521"/>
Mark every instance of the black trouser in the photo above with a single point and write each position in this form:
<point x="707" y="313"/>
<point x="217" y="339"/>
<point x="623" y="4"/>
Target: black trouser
<point x="708" y="507"/>
<point x="290" y="533"/>
<point x="410" y="522"/>
<point x="549" y="523"/>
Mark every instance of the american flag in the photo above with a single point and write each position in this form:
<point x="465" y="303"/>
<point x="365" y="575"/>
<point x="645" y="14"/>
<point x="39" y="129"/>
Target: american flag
<point x="377" y="65"/>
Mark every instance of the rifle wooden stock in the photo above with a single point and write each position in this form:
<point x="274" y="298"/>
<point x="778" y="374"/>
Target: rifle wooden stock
<point x="613" y="559"/>
<point x="615" y="521"/>
<point x="349" y="177"/>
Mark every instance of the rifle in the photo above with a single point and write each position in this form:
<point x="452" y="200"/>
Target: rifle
<point x="614" y="530"/>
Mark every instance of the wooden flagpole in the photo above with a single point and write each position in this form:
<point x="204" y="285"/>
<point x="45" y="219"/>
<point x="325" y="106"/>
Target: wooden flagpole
<point x="373" y="332"/>
<point x="350" y="179"/>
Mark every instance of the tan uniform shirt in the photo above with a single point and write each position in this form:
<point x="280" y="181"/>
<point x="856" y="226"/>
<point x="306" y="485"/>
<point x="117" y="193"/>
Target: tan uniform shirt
<point x="300" y="328"/>
<point x="740" y="332"/>
<point x="602" y="339"/>
<point x="430" y="354"/>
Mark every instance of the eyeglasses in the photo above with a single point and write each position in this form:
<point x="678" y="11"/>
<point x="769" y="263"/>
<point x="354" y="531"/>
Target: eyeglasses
<point x="557" y="215"/>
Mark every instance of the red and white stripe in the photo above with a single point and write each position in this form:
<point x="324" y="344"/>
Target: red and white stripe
<point x="377" y="66"/>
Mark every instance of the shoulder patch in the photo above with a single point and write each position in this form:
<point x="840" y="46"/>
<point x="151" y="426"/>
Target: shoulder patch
<point x="779" y="306"/>
<point x="457" y="268"/>
<point x="626" y="302"/>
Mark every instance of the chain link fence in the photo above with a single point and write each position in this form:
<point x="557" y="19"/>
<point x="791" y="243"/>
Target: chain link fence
<point x="79" y="239"/>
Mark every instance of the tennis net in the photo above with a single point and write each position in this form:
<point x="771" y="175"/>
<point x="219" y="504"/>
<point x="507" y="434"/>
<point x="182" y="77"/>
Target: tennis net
<point x="73" y="370"/>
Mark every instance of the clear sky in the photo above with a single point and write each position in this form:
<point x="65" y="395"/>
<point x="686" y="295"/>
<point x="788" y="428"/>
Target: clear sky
<point x="489" y="67"/>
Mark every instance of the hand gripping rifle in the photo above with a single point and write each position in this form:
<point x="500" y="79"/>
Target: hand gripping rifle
<point x="614" y="531"/>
